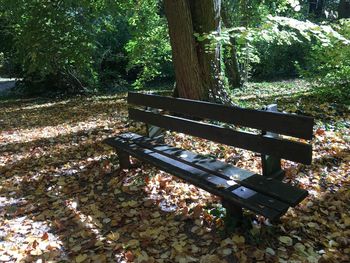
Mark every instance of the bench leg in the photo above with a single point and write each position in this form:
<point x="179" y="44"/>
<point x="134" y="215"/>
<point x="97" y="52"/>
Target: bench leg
<point x="234" y="215"/>
<point x="124" y="159"/>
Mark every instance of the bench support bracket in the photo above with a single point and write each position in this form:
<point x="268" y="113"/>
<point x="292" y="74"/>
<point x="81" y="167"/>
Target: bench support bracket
<point x="155" y="132"/>
<point x="234" y="215"/>
<point x="124" y="159"/>
<point x="271" y="165"/>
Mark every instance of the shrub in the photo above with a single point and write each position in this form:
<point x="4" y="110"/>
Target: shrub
<point x="329" y="66"/>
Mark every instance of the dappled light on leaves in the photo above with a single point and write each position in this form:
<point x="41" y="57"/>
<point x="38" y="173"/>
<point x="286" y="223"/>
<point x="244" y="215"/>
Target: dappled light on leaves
<point x="64" y="199"/>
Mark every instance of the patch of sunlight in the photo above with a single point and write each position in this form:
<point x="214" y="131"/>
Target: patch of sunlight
<point x="108" y="97"/>
<point x="289" y="93"/>
<point x="104" y="102"/>
<point x="94" y="224"/>
<point x="94" y="220"/>
<point x="10" y="159"/>
<point x="22" y="237"/>
<point x="30" y="157"/>
<point x="96" y="100"/>
<point x="39" y="106"/>
<point x="45" y="105"/>
<point x="28" y="135"/>
<point x="73" y="168"/>
<point x="90" y="222"/>
<point x="11" y="184"/>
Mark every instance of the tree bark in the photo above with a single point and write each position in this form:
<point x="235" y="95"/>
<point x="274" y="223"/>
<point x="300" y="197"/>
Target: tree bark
<point x="230" y="57"/>
<point x="232" y="67"/>
<point x="197" y="69"/>
<point x="186" y="64"/>
<point x="206" y="18"/>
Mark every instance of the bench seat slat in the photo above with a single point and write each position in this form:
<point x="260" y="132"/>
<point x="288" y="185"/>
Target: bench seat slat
<point x="290" y="194"/>
<point x="216" y="185"/>
<point x="290" y="150"/>
<point x="281" y="123"/>
<point x="211" y="165"/>
<point x="274" y="188"/>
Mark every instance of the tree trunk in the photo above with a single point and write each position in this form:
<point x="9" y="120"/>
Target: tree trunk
<point x="230" y="57"/>
<point x="232" y="67"/>
<point x="197" y="68"/>
<point x="344" y="9"/>
<point x="316" y="8"/>
<point x="206" y="18"/>
<point x="186" y="64"/>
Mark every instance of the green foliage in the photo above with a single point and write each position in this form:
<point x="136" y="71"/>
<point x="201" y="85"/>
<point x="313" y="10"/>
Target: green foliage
<point x="271" y="37"/>
<point x="53" y="40"/>
<point x="110" y="56"/>
<point x="80" y="45"/>
<point x="260" y="56"/>
<point x="278" y="61"/>
<point x="64" y="45"/>
<point x="149" y="47"/>
<point x="274" y="47"/>
<point x="7" y="65"/>
<point x="329" y="66"/>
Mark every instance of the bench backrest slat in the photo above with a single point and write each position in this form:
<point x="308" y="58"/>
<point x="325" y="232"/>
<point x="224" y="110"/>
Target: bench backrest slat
<point x="286" y="149"/>
<point x="281" y="123"/>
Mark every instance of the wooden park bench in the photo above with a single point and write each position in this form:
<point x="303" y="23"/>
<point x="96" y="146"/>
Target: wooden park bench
<point x="263" y="194"/>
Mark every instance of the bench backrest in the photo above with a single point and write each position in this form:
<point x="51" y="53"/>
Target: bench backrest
<point x="190" y="111"/>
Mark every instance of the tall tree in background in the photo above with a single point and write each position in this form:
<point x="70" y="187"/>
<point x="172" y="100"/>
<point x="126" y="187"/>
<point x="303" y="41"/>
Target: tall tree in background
<point x="232" y="71"/>
<point x="344" y="9"/>
<point x="197" y="69"/>
<point x="316" y="8"/>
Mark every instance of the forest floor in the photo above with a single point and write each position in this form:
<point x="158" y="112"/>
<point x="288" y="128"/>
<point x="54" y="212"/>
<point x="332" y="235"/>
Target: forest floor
<point x="61" y="202"/>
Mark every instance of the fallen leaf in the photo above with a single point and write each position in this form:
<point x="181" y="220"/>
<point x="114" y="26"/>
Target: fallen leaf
<point x="270" y="251"/>
<point x="129" y="256"/>
<point x="286" y="240"/>
<point x="80" y="258"/>
<point x="114" y="236"/>
<point x="45" y="236"/>
<point x="238" y="239"/>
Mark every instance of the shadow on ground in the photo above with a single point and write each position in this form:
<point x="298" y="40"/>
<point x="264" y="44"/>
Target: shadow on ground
<point x="63" y="201"/>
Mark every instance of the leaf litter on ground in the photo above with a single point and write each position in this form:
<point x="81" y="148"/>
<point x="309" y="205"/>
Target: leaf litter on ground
<point x="62" y="201"/>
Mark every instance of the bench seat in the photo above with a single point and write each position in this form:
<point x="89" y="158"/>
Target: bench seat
<point x="263" y="195"/>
